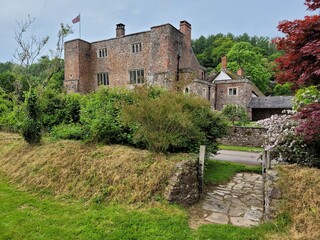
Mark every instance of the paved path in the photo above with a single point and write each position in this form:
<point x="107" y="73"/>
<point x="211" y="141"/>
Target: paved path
<point x="238" y="156"/>
<point x="238" y="202"/>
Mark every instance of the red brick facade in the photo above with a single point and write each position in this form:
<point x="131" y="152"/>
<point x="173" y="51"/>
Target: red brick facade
<point x="159" y="52"/>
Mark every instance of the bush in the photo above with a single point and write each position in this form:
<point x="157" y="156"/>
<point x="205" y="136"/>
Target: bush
<point x="67" y="131"/>
<point x="306" y="96"/>
<point x="173" y="122"/>
<point x="31" y="125"/>
<point x="100" y="116"/>
<point x="236" y="113"/>
<point x="59" y="108"/>
<point x="285" y="144"/>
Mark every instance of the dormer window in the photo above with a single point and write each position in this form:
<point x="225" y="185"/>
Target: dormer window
<point x="102" y="53"/>
<point x="137" y="47"/>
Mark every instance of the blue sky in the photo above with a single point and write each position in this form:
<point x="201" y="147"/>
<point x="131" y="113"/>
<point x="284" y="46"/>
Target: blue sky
<point x="99" y="17"/>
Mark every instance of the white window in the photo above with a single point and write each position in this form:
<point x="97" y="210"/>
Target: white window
<point x="137" y="47"/>
<point x="232" y="91"/>
<point x="102" y="79"/>
<point x="102" y="53"/>
<point x="136" y="76"/>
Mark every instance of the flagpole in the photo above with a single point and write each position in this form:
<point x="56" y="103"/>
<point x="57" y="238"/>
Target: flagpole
<point x="80" y="26"/>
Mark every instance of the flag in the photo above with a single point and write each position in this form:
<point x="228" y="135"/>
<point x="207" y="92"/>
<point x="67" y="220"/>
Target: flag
<point x="76" y="19"/>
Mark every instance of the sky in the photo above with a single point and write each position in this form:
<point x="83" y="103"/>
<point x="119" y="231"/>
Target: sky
<point x="99" y="18"/>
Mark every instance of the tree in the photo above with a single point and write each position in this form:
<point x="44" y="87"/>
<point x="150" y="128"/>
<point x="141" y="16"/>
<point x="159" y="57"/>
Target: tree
<point x="235" y="113"/>
<point x="301" y="44"/>
<point x="242" y="55"/>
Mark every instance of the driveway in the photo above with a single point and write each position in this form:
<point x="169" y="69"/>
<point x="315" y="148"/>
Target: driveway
<point x="238" y="156"/>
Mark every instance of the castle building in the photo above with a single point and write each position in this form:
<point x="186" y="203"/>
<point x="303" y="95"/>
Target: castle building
<point x="155" y="57"/>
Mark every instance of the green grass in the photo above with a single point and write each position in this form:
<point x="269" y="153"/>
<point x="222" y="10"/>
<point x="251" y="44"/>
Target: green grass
<point x="241" y="148"/>
<point x="218" y="172"/>
<point x="28" y="216"/>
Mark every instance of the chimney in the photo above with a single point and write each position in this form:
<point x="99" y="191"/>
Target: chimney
<point x="185" y="28"/>
<point x="240" y="72"/>
<point x="223" y="63"/>
<point x="120" y="30"/>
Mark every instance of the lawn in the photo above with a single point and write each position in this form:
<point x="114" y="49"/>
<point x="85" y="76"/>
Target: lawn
<point x="218" y="172"/>
<point x="31" y="216"/>
<point x="240" y="148"/>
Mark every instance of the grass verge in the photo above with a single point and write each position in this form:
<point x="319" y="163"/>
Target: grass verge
<point x="218" y="172"/>
<point x="240" y="148"/>
<point x="300" y="187"/>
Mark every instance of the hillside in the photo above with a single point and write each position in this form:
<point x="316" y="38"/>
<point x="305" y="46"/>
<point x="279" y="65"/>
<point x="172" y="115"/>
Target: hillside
<point x="100" y="173"/>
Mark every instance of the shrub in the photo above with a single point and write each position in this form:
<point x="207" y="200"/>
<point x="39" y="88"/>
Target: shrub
<point x="100" y="116"/>
<point x="31" y="125"/>
<point x="67" y="131"/>
<point x="285" y="144"/>
<point x="235" y="113"/>
<point x="173" y="122"/>
<point x="306" y="96"/>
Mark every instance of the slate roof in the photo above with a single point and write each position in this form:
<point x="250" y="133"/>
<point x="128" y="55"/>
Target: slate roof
<point x="232" y="75"/>
<point x="282" y="102"/>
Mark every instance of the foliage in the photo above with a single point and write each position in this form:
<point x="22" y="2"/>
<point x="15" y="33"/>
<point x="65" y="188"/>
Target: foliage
<point x="31" y="125"/>
<point x="309" y="123"/>
<point x="210" y="50"/>
<point x="173" y="122"/>
<point x="305" y="96"/>
<point x="7" y="80"/>
<point x="282" y="89"/>
<point x="100" y="116"/>
<point x="301" y="43"/>
<point x="242" y="55"/>
<point x="285" y="144"/>
<point x="235" y="113"/>
<point x="67" y="131"/>
<point x="57" y="108"/>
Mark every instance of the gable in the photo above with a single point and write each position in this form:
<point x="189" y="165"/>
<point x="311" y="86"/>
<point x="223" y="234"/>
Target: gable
<point x="222" y="76"/>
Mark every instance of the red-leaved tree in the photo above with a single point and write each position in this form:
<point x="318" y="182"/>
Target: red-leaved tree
<point x="309" y="122"/>
<point x="300" y="63"/>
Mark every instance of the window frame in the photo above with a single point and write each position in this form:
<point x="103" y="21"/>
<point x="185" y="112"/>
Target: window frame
<point x="102" y="79"/>
<point x="233" y="91"/>
<point x="102" y="52"/>
<point x="136" y="47"/>
<point x="136" y="76"/>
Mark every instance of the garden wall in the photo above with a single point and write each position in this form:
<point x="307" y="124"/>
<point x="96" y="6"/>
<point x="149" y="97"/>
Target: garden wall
<point x="184" y="185"/>
<point x="245" y="136"/>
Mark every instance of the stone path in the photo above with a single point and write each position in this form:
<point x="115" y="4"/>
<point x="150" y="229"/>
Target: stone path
<point x="238" y="202"/>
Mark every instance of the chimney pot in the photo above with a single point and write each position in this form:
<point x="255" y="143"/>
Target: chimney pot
<point x="120" y="30"/>
<point x="240" y="72"/>
<point x="223" y="63"/>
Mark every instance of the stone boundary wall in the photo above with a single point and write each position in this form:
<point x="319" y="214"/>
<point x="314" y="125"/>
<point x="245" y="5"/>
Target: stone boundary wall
<point x="245" y="136"/>
<point x="271" y="193"/>
<point x="183" y="187"/>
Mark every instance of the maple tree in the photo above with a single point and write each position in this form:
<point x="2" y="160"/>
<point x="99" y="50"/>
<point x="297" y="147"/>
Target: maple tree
<point x="300" y="63"/>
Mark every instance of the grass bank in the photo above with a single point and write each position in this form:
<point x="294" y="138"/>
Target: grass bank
<point x="87" y="172"/>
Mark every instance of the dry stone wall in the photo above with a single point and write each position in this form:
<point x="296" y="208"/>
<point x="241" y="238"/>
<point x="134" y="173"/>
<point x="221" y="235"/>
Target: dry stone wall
<point x="183" y="187"/>
<point x="245" y="136"/>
